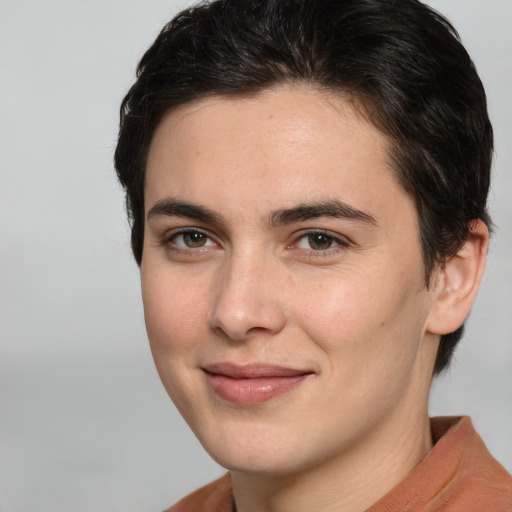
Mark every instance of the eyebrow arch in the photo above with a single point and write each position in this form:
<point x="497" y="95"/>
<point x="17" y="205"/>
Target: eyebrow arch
<point x="334" y="208"/>
<point x="175" y="208"/>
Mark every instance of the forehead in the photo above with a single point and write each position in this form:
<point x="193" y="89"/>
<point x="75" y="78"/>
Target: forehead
<point x="284" y="146"/>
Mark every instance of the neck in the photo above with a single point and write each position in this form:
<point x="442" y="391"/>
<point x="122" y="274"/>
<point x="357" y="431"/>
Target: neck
<point x="350" y="482"/>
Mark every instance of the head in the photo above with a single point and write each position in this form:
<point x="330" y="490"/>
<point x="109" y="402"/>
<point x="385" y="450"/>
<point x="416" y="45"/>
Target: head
<point x="401" y="66"/>
<point x="307" y="183"/>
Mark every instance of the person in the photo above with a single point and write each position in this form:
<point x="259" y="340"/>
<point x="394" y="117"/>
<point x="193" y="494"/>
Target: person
<point x="307" y="186"/>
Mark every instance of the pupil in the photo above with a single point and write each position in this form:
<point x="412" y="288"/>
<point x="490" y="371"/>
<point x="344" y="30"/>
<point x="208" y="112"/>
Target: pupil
<point x="320" y="241"/>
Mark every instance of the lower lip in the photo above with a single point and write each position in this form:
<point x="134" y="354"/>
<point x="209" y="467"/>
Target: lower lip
<point x="254" y="390"/>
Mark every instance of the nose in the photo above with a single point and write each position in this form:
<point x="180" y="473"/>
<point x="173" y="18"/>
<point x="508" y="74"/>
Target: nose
<point x="248" y="299"/>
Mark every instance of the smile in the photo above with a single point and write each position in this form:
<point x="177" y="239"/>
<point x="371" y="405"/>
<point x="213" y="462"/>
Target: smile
<point x="252" y="384"/>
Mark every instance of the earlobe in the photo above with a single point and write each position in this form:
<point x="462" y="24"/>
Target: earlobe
<point x="458" y="282"/>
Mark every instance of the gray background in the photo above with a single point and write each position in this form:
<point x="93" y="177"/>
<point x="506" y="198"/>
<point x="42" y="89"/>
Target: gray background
<point x="84" y="423"/>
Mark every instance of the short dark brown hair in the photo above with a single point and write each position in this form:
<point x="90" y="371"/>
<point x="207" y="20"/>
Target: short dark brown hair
<point x="401" y="62"/>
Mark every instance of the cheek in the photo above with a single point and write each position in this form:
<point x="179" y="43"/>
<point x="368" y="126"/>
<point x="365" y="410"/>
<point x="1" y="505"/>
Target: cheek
<point x="172" y="311"/>
<point x="174" y="323"/>
<point x="364" y="316"/>
<point x="369" y="336"/>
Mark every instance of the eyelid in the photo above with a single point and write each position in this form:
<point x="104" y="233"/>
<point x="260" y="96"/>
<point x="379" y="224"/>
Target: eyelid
<point x="172" y="233"/>
<point x="342" y="242"/>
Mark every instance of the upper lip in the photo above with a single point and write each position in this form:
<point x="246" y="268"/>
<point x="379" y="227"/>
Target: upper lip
<point x="252" y="371"/>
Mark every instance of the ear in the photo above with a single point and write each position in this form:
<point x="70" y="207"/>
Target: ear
<point x="458" y="282"/>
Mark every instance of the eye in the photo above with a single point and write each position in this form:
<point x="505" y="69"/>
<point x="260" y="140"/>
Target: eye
<point x="191" y="239"/>
<point x="319" y="241"/>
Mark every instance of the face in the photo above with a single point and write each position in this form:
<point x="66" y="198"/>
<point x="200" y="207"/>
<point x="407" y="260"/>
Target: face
<point x="282" y="280"/>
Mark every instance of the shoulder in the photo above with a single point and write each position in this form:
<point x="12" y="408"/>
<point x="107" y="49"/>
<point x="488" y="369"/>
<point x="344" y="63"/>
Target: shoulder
<point x="458" y="475"/>
<point x="217" y="496"/>
<point x="478" y="481"/>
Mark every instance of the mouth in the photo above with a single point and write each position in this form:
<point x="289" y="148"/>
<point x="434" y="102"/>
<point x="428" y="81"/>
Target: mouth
<point x="254" y="383"/>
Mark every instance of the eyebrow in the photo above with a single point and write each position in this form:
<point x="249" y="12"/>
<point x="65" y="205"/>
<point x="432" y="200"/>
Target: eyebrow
<point x="333" y="208"/>
<point x="174" y="208"/>
<point x="301" y="212"/>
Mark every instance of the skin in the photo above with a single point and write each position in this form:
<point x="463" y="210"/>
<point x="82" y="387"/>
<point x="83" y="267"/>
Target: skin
<point x="248" y="284"/>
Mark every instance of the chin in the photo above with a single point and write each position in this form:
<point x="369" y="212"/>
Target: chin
<point x="259" y="450"/>
<point x="259" y="462"/>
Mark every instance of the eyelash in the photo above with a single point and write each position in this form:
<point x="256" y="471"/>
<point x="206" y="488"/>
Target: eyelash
<point x="340" y="243"/>
<point x="170" y="238"/>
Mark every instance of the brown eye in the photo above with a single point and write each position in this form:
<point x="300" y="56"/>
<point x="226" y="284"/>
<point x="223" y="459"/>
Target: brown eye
<point x="191" y="240"/>
<point x="321" y="241"/>
<point x="194" y="239"/>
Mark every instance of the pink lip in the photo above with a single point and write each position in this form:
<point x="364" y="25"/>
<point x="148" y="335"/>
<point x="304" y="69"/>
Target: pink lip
<point x="252" y="384"/>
